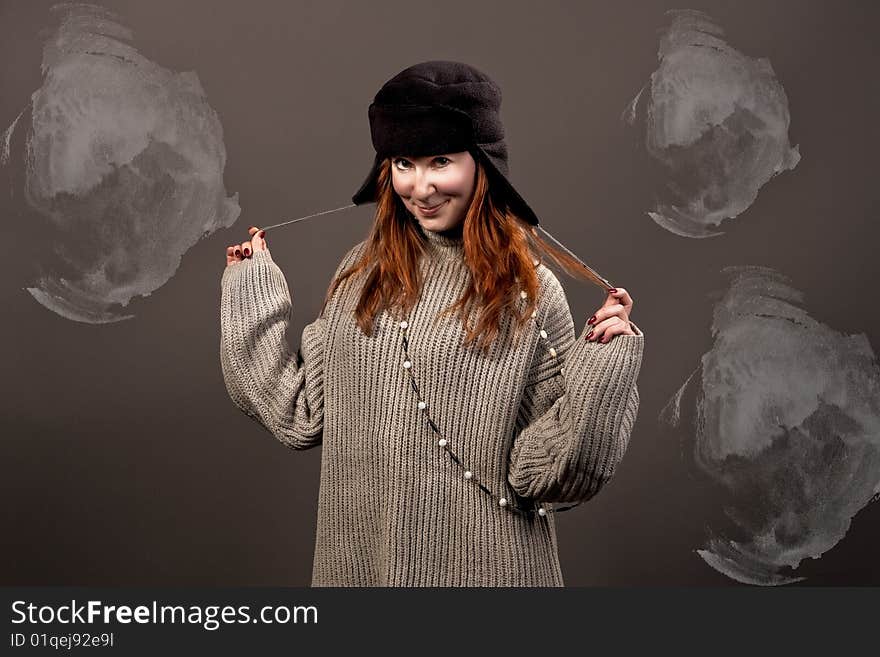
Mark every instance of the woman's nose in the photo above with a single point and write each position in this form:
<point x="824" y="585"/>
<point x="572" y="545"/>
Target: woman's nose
<point x="423" y="186"/>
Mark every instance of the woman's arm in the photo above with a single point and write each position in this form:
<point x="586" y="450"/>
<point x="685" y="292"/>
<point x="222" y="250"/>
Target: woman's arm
<point x="574" y="427"/>
<point x="282" y="391"/>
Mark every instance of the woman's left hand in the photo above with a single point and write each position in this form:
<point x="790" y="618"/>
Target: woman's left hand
<point x="612" y="318"/>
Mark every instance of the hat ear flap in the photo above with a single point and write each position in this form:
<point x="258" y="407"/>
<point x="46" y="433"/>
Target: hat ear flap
<point x="496" y="151"/>
<point x="495" y="182"/>
<point x="500" y="186"/>
<point x="368" y="191"/>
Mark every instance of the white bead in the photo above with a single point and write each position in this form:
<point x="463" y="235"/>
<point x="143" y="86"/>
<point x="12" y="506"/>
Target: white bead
<point x="552" y="351"/>
<point x="543" y="334"/>
<point x="502" y="502"/>
<point x="407" y="364"/>
<point x="468" y="474"/>
<point x="523" y="294"/>
<point x="403" y="325"/>
<point x="442" y="442"/>
<point x="562" y="370"/>
<point x="542" y="512"/>
<point x="422" y="405"/>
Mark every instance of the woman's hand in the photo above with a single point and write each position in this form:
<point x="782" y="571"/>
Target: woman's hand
<point x="612" y="318"/>
<point x="238" y="252"/>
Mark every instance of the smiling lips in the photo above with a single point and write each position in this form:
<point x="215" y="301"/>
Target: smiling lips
<point x="431" y="210"/>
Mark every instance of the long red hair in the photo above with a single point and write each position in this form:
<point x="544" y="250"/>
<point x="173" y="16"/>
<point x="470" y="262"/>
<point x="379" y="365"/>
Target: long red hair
<point x="499" y="250"/>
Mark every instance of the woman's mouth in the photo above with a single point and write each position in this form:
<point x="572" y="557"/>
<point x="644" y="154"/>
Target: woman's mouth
<point x="430" y="212"/>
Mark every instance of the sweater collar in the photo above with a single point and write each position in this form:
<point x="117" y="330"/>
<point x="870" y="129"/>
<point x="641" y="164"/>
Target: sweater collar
<point x="444" y="245"/>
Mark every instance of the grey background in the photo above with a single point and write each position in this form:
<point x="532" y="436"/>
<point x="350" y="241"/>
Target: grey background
<point x="124" y="461"/>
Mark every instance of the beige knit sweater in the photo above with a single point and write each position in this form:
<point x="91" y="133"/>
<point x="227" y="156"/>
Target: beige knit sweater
<point x="535" y="421"/>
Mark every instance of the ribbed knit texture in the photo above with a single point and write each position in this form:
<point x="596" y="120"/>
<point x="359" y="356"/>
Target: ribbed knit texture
<point x="393" y="510"/>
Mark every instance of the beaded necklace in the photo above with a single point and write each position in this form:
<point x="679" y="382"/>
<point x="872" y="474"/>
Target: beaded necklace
<point x="541" y="509"/>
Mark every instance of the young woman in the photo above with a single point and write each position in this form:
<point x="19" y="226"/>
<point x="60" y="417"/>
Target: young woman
<point x="442" y="377"/>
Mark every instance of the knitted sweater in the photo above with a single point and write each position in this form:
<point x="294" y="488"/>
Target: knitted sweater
<point x="536" y="420"/>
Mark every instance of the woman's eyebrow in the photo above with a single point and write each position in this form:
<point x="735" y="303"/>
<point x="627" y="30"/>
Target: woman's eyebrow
<point x="425" y="157"/>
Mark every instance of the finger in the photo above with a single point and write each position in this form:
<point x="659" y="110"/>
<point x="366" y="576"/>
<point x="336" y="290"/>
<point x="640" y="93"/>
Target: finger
<point x="252" y="230"/>
<point x="611" y="331"/>
<point x="236" y="252"/>
<point x="600" y="329"/>
<point x="605" y="312"/>
<point x="246" y="249"/>
<point x="230" y="255"/>
<point x="259" y="241"/>
<point x="620" y="295"/>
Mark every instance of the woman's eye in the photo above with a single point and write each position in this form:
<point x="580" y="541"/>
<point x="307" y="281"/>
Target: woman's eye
<point x="404" y="165"/>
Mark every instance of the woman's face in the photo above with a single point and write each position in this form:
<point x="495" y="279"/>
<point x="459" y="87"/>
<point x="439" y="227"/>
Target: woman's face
<point x="445" y="182"/>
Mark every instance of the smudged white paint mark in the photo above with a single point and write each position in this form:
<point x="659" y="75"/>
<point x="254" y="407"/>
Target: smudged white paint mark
<point x="671" y="413"/>
<point x="124" y="160"/>
<point x="787" y="420"/>
<point x="716" y="121"/>
<point x="7" y="138"/>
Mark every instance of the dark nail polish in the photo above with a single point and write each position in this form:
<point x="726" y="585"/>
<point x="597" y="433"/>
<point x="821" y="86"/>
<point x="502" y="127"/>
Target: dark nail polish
<point x="589" y="334"/>
<point x="591" y="320"/>
<point x="262" y="233"/>
<point x="613" y="290"/>
<point x="247" y="252"/>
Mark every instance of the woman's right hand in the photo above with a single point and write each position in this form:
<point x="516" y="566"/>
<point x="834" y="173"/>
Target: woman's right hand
<point x="238" y="252"/>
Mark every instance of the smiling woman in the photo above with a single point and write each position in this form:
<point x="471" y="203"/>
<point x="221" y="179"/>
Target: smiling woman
<point x="436" y="189"/>
<point x="446" y="442"/>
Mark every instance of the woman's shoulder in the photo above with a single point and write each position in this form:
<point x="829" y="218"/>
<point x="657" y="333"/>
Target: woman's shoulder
<point x="351" y="256"/>
<point x="551" y="298"/>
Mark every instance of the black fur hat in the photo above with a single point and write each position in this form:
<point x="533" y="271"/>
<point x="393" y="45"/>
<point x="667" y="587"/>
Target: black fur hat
<point x="439" y="107"/>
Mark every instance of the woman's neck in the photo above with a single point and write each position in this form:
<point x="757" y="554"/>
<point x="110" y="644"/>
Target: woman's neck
<point x="444" y="244"/>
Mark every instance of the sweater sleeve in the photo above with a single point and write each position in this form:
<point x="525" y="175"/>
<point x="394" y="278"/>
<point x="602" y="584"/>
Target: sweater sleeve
<point x="577" y="411"/>
<point x="283" y="391"/>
